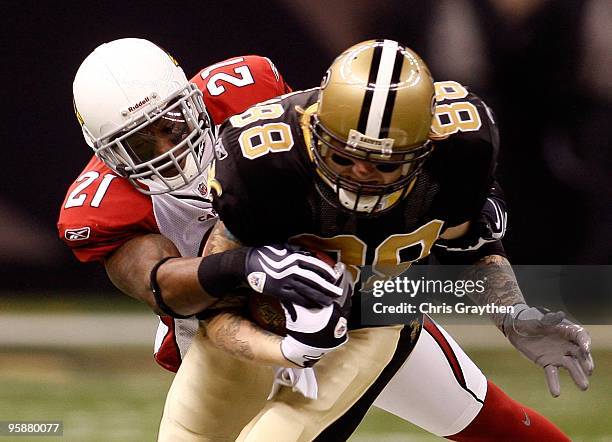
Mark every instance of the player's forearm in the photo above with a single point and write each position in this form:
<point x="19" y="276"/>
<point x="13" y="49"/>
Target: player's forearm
<point x="231" y="332"/>
<point x="190" y="285"/>
<point x="180" y="286"/>
<point x="129" y="268"/>
<point x="245" y="340"/>
<point x="501" y="287"/>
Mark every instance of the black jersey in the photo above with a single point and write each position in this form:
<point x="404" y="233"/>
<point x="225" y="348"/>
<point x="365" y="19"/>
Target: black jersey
<point x="266" y="192"/>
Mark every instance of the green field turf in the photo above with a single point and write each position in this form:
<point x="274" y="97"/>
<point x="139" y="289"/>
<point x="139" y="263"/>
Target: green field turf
<point x="117" y="395"/>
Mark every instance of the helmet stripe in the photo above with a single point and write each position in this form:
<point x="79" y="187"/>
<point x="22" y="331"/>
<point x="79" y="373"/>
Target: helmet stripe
<point x="381" y="88"/>
<point x="390" y="104"/>
<point x="369" y="92"/>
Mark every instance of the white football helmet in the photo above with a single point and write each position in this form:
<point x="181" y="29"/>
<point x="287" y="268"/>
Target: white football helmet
<point x="141" y="115"/>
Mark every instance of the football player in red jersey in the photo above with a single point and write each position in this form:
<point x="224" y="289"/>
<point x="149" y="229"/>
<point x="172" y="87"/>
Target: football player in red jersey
<point x="376" y="161"/>
<point x="143" y="198"/>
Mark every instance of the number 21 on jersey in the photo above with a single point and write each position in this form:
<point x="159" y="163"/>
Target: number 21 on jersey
<point x="78" y="196"/>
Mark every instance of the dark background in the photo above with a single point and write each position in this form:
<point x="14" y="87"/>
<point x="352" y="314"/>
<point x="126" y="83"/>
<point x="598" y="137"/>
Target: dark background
<point x="544" y="66"/>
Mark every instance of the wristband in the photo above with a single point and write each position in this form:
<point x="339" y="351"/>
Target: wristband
<point x="508" y="319"/>
<point x="220" y="273"/>
<point x="159" y="300"/>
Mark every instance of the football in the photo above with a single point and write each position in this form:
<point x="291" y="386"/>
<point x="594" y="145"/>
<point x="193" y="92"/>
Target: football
<point x="267" y="312"/>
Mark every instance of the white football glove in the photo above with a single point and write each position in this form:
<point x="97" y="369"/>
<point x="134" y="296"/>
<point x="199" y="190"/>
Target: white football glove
<point x="312" y="333"/>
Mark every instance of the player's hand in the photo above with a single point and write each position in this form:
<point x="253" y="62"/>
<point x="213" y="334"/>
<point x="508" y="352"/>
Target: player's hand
<point x="489" y="227"/>
<point x="312" y="333"/>
<point x="294" y="275"/>
<point x="493" y="219"/>
<point x="551" y="341"/>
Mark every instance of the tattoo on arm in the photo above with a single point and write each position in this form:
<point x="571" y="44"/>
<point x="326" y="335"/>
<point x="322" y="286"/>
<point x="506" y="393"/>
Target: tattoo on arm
<point x="229" y="336"/>
<point x="220" y="240"/>
<point x="501" y="287"/>
<point x="226" y="339"/>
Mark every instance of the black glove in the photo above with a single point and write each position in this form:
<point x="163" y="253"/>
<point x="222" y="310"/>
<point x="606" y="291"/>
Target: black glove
<point x="293" y="274"/>
<point x="490" y="226"/>
<point x="493" y="219"/>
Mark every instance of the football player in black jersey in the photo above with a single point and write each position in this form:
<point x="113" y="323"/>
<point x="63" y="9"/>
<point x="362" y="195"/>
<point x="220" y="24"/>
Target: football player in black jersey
<point x="382" y="166"/>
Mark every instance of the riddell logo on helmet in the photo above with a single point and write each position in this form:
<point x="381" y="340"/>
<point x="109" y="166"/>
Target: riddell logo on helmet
<point x="139" y="104"/>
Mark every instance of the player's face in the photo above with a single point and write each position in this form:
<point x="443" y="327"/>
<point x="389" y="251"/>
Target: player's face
<point x="365" y="172"/>
<point x="158" y="138"/>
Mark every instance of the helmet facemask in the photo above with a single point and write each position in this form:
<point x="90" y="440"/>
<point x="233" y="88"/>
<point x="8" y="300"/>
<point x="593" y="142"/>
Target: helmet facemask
<point x="164" y="148"/>
<point x="364" y="198"/>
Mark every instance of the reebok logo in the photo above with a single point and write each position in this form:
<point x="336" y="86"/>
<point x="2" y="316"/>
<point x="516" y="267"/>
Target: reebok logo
<point x="138" y="105"/>
<point x="257" y="280"/>
<point x="526" y="421"/>
<point x="341" y="328"/>
<point x="77" y="234"/>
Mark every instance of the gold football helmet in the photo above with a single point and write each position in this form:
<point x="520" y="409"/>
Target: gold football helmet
<point x="375" y="105"/>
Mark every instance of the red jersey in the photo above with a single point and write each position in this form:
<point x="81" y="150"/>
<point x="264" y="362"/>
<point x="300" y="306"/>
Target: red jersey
<point x="102" y="211"/>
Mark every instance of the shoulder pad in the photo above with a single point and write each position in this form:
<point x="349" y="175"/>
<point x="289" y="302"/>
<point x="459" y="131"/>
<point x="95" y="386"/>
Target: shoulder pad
<point x="265" y="168"/>
<point x="231" y="86"/>
<point x="102" y="211"/>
